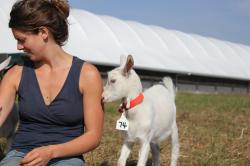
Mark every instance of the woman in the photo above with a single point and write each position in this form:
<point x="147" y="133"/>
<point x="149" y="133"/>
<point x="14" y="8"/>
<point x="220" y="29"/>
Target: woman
<point x="59" y="95"/>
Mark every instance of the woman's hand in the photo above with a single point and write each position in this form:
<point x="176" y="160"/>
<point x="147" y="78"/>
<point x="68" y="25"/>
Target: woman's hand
<point x="37" y="157"/>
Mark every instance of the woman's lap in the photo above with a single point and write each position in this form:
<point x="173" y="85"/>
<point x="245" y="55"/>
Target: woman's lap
<point x="67" y="162"/>
<point x="13" y="157"/>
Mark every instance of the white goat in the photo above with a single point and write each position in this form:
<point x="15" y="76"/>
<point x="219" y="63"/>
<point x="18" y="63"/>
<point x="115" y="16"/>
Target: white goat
<point x="151" y="121"/>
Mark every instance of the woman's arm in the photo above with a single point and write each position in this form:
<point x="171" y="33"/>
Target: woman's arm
<point x="8" y="89"/>
<point x="91" y="88"/>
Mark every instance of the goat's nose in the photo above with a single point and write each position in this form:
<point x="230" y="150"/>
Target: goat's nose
<point x="102" y="103"/>
<point x="102" y="99"/>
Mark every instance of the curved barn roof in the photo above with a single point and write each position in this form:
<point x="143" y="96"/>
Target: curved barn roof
<point x="102" y="39"/>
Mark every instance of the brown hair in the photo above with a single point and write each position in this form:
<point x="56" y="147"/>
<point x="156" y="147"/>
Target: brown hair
<point x="30" y="15"/>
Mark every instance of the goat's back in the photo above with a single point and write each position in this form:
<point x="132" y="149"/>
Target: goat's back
<point x="160" y="111"/>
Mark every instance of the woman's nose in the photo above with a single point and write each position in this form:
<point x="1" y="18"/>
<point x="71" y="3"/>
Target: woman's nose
<point x="19" y="46"/>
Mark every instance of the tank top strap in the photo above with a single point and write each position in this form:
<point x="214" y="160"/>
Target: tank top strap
<point x="26" y="76"/>
<point x="77" y="67"/>
<point x="75" y="73"/>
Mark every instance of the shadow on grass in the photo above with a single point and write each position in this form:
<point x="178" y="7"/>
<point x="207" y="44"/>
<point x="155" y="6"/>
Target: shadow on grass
<point x="129" y="163"/>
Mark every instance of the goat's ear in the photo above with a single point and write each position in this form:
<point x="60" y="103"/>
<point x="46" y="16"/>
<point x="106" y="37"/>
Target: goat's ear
<point x="128" y="66"/>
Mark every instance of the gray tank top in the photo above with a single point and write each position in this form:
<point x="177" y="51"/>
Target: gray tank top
<point x="56" y="123"/>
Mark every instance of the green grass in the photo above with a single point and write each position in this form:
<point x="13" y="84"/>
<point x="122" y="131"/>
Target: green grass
<point x="214" y="130"/>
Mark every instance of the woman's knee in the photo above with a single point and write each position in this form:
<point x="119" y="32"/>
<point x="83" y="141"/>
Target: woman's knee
<point x="12" y="158"/>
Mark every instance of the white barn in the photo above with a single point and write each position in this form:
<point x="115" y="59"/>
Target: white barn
<point x="196" y="63"/>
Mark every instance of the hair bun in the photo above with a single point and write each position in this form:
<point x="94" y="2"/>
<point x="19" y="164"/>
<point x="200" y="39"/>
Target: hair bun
<point x="62" y="6"/>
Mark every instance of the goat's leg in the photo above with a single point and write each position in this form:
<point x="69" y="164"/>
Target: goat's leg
<point x="155" y="149"/>
<point x="175" y="145"/>
<point x="125" y="151"/>
<point x="143" y="154"/>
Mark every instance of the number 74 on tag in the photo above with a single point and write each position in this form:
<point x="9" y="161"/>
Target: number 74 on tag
<point x="122" y="123"/>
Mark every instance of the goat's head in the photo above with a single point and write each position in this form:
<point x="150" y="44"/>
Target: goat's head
<point x="122" y="81"/>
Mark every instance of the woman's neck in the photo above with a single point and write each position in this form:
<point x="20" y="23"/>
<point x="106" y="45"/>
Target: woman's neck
<point x="54" y="57"/>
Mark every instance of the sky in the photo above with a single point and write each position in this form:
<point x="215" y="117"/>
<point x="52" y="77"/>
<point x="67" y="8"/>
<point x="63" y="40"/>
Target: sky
<point x="221" y="19"/>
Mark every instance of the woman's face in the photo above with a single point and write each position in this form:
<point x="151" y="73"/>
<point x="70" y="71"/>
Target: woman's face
<point x="30" y="43"/>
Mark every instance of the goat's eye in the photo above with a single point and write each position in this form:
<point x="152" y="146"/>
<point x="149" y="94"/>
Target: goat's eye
<point x="112" y="81"/>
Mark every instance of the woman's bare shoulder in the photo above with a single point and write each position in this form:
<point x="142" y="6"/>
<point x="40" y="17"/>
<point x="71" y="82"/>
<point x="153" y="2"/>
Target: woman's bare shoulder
<point x="14" y="71"/>
<point x="89" y="69"/>
<point x="90" y="75"/>
<point x="13" y="75"/>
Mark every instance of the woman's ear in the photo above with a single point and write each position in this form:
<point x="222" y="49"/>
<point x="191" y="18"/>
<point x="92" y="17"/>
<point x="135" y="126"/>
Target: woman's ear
<point x="44" y="32"/>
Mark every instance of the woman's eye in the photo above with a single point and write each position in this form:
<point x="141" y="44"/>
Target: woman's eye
<point x="20" y="41"/>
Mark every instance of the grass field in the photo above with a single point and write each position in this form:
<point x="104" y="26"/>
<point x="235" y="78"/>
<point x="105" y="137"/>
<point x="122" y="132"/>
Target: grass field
<point x="214" y="130"/>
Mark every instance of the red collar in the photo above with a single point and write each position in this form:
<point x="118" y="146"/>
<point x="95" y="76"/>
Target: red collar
<point x="123" y="107"/>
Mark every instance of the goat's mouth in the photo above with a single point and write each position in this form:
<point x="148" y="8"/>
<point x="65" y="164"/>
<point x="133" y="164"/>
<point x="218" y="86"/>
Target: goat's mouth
<point x="105" y="100"/>
<point x="108" y="99"/>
